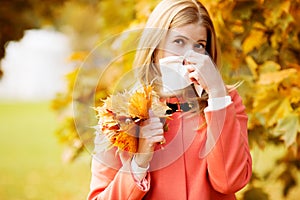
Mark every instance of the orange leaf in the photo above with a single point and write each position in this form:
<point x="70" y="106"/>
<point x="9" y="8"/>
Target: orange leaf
<point x="125" y="142"/>
<point x="140" y="103"/>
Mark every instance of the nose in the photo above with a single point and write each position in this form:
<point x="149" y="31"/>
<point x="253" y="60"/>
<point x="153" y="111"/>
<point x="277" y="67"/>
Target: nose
<point x="187" y="48"/>
<point x="188" y="53"/>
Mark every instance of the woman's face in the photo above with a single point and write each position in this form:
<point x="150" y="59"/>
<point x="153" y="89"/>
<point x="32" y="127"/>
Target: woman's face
<point x="181" y="39"/>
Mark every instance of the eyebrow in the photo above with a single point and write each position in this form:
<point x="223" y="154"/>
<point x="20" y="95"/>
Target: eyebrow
<point x="182" y="36"/>
<point x="202" y="41"/>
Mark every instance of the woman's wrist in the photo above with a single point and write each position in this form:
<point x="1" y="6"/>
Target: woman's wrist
<point x="140" y="161"/>
<point x="138" y="171"/>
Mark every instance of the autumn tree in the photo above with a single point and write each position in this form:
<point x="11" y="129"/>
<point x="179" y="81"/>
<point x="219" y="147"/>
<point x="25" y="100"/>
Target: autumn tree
<point x="16" y="16"/>
<point x="260" y="45"/>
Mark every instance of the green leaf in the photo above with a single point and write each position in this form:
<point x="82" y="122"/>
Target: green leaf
<point x="288" y="128"/>
<point x="264" y="53"/>
<point x="243" y="9"/>
<point x="255" y="194"/>
<point x="269" y="66"/>
<point x="274" y="12"/>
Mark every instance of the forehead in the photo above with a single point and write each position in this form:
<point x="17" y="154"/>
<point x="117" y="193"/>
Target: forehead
<point x="195" y="32"/>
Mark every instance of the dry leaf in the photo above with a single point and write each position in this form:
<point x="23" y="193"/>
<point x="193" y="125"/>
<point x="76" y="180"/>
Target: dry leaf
<point x="140" y="103"/>
<point x="125" y="142"/>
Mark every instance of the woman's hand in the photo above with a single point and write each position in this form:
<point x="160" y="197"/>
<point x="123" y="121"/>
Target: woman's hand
<point x="151" y="133"/>
<point x="203" y="72"/>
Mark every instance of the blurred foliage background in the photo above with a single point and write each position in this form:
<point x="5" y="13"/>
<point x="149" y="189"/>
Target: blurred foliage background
<point x="260" y="43"/>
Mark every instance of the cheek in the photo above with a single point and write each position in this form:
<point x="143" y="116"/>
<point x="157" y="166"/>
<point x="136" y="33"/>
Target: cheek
<point x="172" y="50"/>
<point x="168" y="53"/>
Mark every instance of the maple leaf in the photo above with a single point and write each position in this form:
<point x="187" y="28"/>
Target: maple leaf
<point x="140" y="103"/>
<point x="118" y="103"/>
<point x="125" y="141"/>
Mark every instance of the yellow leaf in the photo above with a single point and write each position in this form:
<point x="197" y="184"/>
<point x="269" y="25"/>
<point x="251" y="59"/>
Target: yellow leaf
<point x="280" y="111"/>
<point x="269" y="104"/>
<point x="238" y="27"/>
<point x="255" y="39"/>
<point x="275" y="77"/>
<point x="266" y="100"/>
<point x="258" y="25"/>
<point x="252" y="65"/>
<point x="140" y="103"/>
<point x="285" y="6"/>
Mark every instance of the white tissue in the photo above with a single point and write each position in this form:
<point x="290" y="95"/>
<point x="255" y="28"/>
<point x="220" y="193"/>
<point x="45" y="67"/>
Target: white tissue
<point x="174" y="73"/>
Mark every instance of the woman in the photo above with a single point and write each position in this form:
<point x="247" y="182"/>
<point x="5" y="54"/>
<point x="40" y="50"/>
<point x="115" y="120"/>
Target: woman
<point x="205" y="152"/>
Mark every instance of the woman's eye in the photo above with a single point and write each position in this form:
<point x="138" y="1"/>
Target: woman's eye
<point x="179" y="41"/>
<point x="199" y="46"/>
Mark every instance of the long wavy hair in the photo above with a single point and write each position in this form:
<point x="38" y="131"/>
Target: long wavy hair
<point x="170" y="14"/>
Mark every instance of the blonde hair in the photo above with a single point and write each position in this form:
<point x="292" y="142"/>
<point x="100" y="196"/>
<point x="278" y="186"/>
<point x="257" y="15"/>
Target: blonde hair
<point x="166" y="15"/>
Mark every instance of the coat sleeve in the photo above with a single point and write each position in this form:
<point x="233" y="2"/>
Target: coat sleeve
<point x="229" y="162"/>
<point x="109" y="182"/>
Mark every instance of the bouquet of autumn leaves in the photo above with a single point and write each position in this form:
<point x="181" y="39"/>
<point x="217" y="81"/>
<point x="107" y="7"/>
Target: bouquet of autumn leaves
<point x="121" y="113"/>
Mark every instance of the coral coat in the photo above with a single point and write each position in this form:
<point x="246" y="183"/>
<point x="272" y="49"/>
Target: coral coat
<point x="210" y="161"/>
